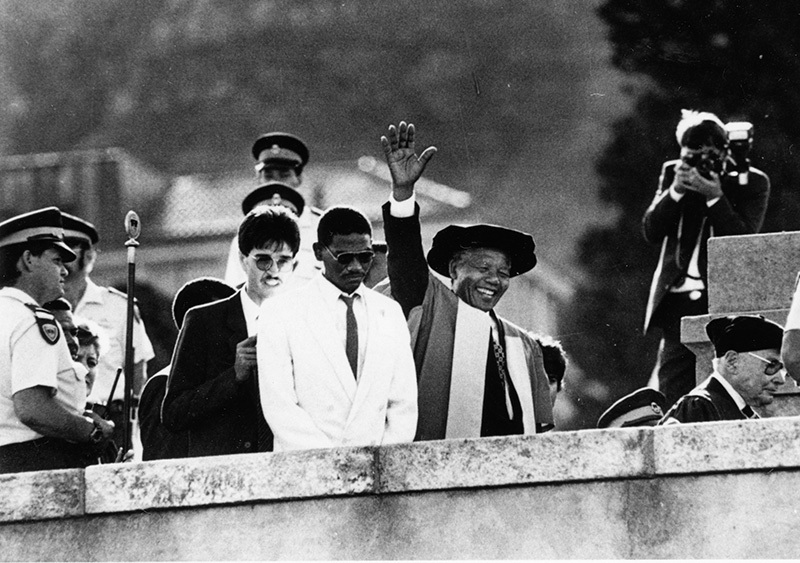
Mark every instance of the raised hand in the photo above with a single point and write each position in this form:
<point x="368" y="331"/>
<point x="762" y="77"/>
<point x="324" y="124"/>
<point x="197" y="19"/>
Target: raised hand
<point x="404" y="164"/>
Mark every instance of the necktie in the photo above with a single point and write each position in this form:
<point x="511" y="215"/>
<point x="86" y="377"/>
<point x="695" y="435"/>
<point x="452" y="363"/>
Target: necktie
<point x="749" y="413"/>
<point x="351" y="340"/>
<point x="502" y="369"/>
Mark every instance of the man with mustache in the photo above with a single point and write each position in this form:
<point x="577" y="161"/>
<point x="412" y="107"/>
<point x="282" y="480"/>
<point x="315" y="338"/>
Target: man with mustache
<point x="212" y="390"/>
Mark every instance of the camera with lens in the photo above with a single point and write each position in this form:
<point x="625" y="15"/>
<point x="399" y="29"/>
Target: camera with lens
<point x="705" y="162"/>
<point x="740" y="141"/>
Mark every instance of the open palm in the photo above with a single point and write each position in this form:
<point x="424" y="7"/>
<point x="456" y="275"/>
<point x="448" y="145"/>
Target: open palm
<point x="404" y="164"/>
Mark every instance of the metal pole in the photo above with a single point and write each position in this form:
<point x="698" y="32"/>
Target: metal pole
<point x="132" y="228"/>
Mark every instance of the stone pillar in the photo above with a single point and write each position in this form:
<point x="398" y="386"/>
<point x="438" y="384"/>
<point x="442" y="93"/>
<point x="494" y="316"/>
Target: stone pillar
<point x="748" y="274"/>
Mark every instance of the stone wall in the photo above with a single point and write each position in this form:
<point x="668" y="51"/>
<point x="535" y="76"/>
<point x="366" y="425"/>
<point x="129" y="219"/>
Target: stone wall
<point x="715" y="490"/>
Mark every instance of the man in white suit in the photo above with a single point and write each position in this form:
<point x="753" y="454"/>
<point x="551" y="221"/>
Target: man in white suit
<point x="334" y="357"/>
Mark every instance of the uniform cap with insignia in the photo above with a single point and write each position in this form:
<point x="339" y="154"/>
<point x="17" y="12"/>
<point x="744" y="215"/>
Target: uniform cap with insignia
<point x="77" y="228"/>
<point x="273" y="193"/>
<point x="744" y="333"/>
<point x="643" y="407"/>
<point x="281" y="148"/>
<point x="42" y="225"/>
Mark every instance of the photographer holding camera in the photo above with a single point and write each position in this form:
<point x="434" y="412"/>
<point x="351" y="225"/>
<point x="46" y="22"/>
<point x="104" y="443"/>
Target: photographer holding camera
<point x="705" y="193"/>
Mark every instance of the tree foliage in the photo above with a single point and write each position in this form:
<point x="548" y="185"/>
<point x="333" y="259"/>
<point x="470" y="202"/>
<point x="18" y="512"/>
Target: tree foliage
<point x="739" y="60"/>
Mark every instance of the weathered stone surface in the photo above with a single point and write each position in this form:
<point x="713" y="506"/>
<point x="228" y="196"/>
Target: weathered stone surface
<point x="727" y="446"/>
<point x="556" y="456"/>
<point x="229" y="479"/>
<point x="38" y="495"/>
<point x="752" y="272"/>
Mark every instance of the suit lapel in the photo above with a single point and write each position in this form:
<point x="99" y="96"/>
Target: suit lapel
<point x="237" y="326"/>
<point x="322" y="327"/>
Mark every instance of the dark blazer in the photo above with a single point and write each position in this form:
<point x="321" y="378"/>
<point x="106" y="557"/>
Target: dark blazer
<point x="707" y="402"/>
<point x="221" y="415"/>
<point x="676" y="226"/>
<point x="157" y="441"/>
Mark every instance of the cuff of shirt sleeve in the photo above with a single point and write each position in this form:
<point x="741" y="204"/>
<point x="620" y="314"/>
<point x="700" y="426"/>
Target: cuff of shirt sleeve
<point x="711" y="202"/>
<point x="401" y="209"/>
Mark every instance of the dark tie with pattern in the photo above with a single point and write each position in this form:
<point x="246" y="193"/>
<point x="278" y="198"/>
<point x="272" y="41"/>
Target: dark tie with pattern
<point x="351" y="341"/>
<point x="502" y="369"/>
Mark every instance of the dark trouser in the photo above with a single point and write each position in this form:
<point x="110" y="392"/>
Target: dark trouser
<point x="43" y="454"/>
<point x="676" y="363"/>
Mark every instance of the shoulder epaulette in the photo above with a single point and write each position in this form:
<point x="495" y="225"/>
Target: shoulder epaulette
<point x="46" y="323"/>
<point x="118" y="293"/>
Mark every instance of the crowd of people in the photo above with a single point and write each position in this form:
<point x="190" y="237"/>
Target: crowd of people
<point x="321" y="336"/>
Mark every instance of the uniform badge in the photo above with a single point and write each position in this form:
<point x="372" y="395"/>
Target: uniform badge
<point x="46" y="322"/>
<point x="275" y="149"/>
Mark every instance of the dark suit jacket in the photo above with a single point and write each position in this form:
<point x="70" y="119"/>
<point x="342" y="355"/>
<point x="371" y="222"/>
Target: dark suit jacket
<point x="707" y="402"/>
<point x="203" y="396"/>
<point x="676" y="226"/>
<point x="157" y="441"/>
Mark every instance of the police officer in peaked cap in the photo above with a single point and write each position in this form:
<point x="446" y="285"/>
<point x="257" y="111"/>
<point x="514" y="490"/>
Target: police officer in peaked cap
<point x="43" y="424"/>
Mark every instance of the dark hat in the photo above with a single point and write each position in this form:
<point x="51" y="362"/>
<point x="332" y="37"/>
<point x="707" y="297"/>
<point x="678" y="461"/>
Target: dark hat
<point x="518" y="246"/>
<point x="75" y="227"/>
<point x="282" y="147"/>
<point x="198" y="292"/>
<point x="643" y="407"/>
<point x="743" y="333"/>
<point x="268" y="191"/>
<point x="42" y="225"/>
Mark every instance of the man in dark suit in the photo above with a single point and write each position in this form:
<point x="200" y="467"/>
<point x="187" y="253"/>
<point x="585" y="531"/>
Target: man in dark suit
<point x="700" y="195"/>
<point x="212" y="389"/>
<point x="747" y="371"/>
<point x="157" y="441"/>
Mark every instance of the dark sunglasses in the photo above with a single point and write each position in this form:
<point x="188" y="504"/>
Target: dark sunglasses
<point x="346" y="258"/>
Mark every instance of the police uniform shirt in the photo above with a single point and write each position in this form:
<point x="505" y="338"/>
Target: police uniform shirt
<point x="28" y="360"/>
<point x="109" y="308"/>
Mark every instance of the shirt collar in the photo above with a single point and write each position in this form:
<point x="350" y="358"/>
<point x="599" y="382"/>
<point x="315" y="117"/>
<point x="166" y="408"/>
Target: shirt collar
<point x="248" y="305"/>
<point x="737" y="398"/>
<point x="331" y="293"/>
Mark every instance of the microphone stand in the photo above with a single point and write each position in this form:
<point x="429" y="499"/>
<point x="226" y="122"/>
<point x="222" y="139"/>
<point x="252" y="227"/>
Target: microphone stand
<point x="133" y="229"/>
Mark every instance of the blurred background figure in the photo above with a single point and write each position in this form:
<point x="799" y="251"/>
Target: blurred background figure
<point x="378" y="270"/>
<point x="91" y="343"/>
<point x="643" y="407"/>
<point x="157" y="441"/>
<point x="280" y="159"/>
<point x="700" y="195"/>
<point x="555" y="362"/>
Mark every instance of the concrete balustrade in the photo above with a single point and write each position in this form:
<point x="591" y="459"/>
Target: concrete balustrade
<point x="701" y="490"/>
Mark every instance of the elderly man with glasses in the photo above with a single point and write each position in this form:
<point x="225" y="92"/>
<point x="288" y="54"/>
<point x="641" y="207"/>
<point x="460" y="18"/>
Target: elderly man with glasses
<point x="212" y="391"/>
<point x="747" y="372"/>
